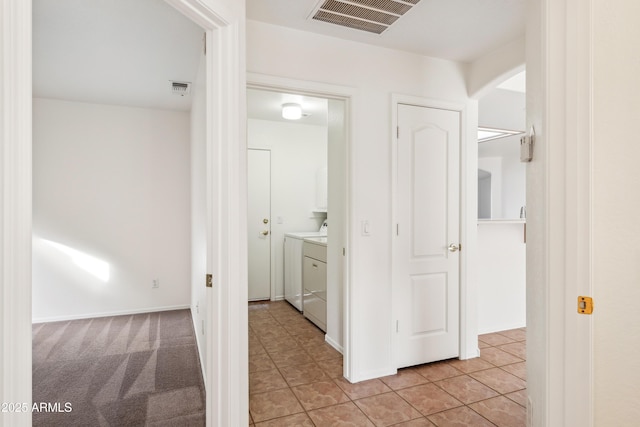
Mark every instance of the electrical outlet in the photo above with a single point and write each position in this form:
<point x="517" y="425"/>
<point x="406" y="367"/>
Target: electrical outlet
<point x="155" y="284"/>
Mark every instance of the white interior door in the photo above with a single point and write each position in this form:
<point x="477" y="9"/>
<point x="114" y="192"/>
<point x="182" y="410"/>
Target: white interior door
<point x="259" y="224"/>
<point x="426" y="248"/>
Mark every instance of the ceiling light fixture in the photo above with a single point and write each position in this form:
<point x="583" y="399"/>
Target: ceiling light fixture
<point x="291" y="111"/>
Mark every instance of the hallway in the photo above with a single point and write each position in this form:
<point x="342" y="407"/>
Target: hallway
<point x="295" y="379"/>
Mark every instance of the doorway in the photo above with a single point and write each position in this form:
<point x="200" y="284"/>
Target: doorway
<point x="112" y="174"/>
<point x="501" y="208"/>
<point x="309" y="181"/>
<point x="223" y="26"/>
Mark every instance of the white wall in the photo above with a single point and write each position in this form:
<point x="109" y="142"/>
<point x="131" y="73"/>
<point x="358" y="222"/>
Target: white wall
<point x="112" y="183"/>
<point x="199" y="208"/>
<point x="616" y="199"/>
<point x="297" y="152"/>
<point x="375" y="74"/>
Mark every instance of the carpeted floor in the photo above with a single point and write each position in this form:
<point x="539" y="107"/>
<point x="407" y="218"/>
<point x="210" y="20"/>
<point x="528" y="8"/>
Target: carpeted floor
<point x="137" y="370"/>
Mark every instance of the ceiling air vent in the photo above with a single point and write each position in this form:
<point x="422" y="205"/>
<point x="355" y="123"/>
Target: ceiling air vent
<point x="180" y="88"/>
<point x="373" y="16"/>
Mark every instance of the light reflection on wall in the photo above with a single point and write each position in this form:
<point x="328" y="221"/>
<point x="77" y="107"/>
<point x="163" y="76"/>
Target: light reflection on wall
<point x="92" y="265"/>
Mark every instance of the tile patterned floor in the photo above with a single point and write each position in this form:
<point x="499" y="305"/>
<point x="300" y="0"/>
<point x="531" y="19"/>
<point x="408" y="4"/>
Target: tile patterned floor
<point x="295" y="379"/>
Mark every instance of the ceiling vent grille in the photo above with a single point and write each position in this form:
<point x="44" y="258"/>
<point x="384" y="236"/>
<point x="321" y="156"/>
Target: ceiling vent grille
<point x="180" y="88"/>
<point x="374" y="16"/>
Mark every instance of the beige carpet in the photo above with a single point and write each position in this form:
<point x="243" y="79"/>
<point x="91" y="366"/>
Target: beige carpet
<point x="132" y="370"/>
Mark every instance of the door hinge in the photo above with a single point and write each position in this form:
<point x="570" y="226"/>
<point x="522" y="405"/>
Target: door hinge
<point x="397" y="229"/>
<point x="398" y="132"/>
<point x="585" y="305"/>
<point x="209" y="281"/>
<point x="344" y="251"/>
<point x="397" y="326"/>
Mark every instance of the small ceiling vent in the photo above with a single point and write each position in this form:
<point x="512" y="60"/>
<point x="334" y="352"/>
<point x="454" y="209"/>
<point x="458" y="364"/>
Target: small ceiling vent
<point x="180" y="88"/>
<point x="374" y="16"/>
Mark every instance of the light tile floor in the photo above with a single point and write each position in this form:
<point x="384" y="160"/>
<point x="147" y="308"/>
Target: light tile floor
<point x="295" y="379"/>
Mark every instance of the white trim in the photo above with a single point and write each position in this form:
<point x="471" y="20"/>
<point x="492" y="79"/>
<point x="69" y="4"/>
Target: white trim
<point x="333" y="344"/>
<point x="199" y="347"/>
<point x="468" y="217"/>
<point x="110" y="313"/>
<point x="15" y="202"/>
<point x="227" y="365"/>
<point x="348" y="95"/>
<point x="275" y="83"/>
<point x="559" y="223"/>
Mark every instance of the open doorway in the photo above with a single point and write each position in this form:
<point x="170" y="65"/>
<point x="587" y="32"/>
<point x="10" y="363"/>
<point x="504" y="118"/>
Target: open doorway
<point x="112" y="179"/>
<point x="308" y="158"/>
<point x="223" y="27"/>
<point x="288" y="159"/>
<point x="501" y="208"/>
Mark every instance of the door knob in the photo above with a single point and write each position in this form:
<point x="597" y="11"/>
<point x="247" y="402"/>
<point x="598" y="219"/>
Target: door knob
<point x="266" y="221"/>
<point x="265" y="232"/>
<point x="454" y="248"/>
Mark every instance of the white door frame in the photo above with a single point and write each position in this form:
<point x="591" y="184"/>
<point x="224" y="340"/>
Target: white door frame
<point x="15" y="202"/>
<point x="346" y="94"/>
<point x="560" y="64"/>
<point x="468" y="214"/>
<point x="227" y="342"/>
<point x="227" y="362"/>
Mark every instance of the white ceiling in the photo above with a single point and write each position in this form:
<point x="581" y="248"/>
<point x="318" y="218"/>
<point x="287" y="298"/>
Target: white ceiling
<point x="517" y="83"/>
<point x="459" y="30"/>
<point x="121" y="52"/>
<point x="125" y="52"/>
<point x="267" y="105"/>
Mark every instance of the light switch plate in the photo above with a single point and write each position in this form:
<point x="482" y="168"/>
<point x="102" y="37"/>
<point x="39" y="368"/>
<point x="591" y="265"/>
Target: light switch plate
<point x="366" y="228"/>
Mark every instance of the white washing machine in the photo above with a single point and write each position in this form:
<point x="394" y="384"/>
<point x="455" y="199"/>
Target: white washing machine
<point x="293" y="260"/>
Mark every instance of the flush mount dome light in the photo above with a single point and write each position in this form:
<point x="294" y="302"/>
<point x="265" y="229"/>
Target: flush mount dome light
<point x="291" y="111"/>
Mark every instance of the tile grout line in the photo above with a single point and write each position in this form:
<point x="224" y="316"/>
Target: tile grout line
<point x="297" y="333"/>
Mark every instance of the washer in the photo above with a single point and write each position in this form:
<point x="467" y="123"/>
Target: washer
<point x="293" y="260"/>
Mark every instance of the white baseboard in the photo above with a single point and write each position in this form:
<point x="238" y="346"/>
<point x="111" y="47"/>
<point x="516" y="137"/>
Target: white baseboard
<point x="364" y="376"/>
<point x="108" y="313"/>
<point x="500" y="328"/>
<point x="199" y="346"/>
<point x="470" y="355"/>
<point x="333" y="344"/>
